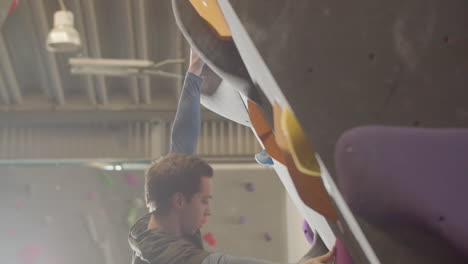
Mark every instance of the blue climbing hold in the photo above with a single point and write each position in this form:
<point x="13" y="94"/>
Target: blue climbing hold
<point x="264" y="158"/>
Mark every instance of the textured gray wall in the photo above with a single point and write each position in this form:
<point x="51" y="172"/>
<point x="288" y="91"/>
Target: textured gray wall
<point x="264" y="210"/>
<point x="44" y="212"/>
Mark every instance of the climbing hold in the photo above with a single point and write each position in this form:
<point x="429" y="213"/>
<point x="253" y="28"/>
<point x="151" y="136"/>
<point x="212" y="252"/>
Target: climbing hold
<point x="209" y="238"/>
<point x="29" y="254"/>
<point x="131" y="179"/>
<point x="250" y="187"/>
<point x="308" y="233"/>
<point x="106" y="180"/>
<point x="243" y="220"/>
<point x="263" y="158"/>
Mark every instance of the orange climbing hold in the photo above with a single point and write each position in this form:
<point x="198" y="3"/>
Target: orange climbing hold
<point x="210" y="11"/>
<point x="264" y="131"/>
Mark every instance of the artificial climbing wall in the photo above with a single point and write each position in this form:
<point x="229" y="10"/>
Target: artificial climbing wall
<point x="249" y="214"/>
<point x="65" y="214"/>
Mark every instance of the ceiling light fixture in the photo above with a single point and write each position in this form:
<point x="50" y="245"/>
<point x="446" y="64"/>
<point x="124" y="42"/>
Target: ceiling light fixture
<point x="64" y="37"/>
<point x="122" y="67"/>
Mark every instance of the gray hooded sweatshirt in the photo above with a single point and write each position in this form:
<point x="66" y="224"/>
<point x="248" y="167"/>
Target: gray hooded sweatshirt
<point x="156" y="247"/>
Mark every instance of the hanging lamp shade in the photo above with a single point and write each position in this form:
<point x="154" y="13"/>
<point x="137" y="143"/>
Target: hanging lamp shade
<point x="63" y="37"/>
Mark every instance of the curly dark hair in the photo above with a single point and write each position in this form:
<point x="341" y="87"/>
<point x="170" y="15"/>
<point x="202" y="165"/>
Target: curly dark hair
<point x="173" y="173"/>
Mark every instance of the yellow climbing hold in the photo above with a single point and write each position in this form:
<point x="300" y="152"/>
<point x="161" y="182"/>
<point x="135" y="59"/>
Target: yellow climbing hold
<point x="299" y="146"/>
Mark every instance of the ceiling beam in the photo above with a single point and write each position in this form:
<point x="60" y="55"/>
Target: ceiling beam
<point x="95" y="48"/>
<point x="10" y="77"/>
<point x="30" y="19"/>
<point x="143" y="51"/>
<point x="88" y="80"/>
<point x="44" y="28"/>
<point x="3" y="90"/>
<point x="85" y="114"/>
<point x="133" y="81"/>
